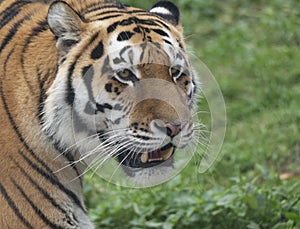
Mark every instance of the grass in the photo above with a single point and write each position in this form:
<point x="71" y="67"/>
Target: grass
<point x="253" y="50"/>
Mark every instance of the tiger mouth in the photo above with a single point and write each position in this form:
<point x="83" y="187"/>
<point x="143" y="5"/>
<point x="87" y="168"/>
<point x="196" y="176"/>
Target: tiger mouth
<point x="147" y="159"/>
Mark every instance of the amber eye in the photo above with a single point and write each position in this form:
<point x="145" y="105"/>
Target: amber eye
<point x="125" y="74"/>
<point x="175" y="72"/>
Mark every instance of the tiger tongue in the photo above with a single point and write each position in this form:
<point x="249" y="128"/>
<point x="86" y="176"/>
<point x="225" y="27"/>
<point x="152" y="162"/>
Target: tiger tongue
<point x="154" y="154"/>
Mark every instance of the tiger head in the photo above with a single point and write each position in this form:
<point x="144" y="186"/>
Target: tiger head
<point x="124" y="87"/>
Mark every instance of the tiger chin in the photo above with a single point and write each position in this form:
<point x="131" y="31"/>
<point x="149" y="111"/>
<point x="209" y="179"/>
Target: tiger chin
<point x="82" y="82"/>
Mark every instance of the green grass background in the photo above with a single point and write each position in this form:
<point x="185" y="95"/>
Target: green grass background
<point x="253" y="49"/>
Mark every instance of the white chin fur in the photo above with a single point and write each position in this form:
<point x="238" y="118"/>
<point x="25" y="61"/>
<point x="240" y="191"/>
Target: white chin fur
<point x="152" y="176"/>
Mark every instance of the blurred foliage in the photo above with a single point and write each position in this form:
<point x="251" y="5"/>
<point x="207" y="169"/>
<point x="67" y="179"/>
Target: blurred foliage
<point x="261" y="202"/>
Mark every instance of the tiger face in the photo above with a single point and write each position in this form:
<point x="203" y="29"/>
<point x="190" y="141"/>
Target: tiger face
<point x="123" y="89"/>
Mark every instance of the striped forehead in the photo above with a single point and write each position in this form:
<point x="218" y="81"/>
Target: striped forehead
<point x="140" y="29"/>
<point x="129" y="30"/>
<point x="125" y="23"/>
<point x="120" y="15"/>
<point x="129" y="55"/>
<point x="130" y="37"/>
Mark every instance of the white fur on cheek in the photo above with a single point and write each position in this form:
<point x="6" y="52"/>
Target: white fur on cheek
<point x="59" y="117"/>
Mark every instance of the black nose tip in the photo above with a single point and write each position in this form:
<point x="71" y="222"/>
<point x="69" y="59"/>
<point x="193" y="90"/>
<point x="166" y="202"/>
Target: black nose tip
<point x="173" y="128"/>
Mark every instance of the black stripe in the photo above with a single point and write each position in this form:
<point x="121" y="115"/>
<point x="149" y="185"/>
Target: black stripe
<point x="119" y="82"/>
<point x="118" y="5"/>
<point x="89" y="7"/>
<point x="12" y="32"/>
<point x="42" y="26"/>
<point x="102" y="107"/>
<point x="109" y="12"/>
<point x="125" y="35"/>
<point x="142" y="21"/>
<point x="120" y="12"/>
<point x="35" y="208"/>
<point x="106" y="66"/>
<point x="143" y="46"/>
<point x="112" y="27"/>
<point x="11" y="6"/>
<point x="160" y="32"/>
<point x="168" y="42"/>
<point x="108" y="17"/>
<point x="7" y="59"/>
<point x="13" y="206"/>
<point x="68" y="155"/>
<point x="12" y="122"/>
<point x="10" y="12"/>
<point x="131" y="20"/>
<point x="162" y="23"/>
<point x="70" y="90"/>
<point x="135" y="12"/>
<point x="97" y="51"/>
<point x="21" y="138"/>
<point x="42" y="96"/>
<point x="52" y="180"/>
<point x="157" y="20"/>
<point x="93" y="38"/>
<point x="88" y="76"/>
<point x="43" y="191"/>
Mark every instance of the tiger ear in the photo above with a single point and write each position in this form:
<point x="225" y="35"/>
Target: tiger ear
<point x="167" y="10"/>
<point x="65" y="23"/>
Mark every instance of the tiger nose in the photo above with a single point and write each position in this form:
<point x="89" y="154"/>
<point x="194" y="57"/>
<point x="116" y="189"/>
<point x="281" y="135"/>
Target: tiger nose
<point x="173" y="128"/>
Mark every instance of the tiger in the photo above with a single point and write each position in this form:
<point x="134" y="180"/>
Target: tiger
<point x="81" y="82"/>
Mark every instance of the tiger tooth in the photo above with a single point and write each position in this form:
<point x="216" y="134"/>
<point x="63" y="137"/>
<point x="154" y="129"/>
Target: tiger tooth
<point x="144" y="157"/>
<point x="167" y="155"/>
<point x="155" y="159"/>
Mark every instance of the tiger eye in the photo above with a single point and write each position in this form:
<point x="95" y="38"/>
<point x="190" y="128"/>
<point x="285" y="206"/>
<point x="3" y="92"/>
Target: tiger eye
<point x="125" y="74"/>
<point x="174" y="72"/>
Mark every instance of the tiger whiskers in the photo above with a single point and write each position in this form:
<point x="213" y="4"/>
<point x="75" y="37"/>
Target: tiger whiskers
<point x="112" y="154"/>
<point x="100" y="148"/>
<point x="98" y="161"/>
<point x="131" y="149"/>
<point x="94" y="137"/>
<point x="200" y="112"/>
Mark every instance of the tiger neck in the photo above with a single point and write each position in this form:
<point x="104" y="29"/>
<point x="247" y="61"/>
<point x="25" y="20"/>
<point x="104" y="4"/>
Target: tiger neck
<point x="29" y="108"/>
